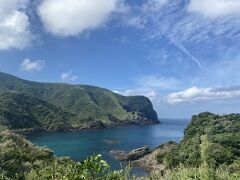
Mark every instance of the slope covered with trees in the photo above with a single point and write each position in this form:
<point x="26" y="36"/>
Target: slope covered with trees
<point x="21" y="111"/>
<point x="210" y="139"/>
<point x="81" y="103"/>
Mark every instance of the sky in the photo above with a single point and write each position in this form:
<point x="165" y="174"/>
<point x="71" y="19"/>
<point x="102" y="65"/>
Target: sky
<point x="182" y="54"/>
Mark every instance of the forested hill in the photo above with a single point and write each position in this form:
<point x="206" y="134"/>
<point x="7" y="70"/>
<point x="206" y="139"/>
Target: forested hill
<point x="209" y="139"/>
<point x="55" y="105"/>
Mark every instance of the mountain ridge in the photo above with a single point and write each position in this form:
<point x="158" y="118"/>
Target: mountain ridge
<point x="87" y="103"/>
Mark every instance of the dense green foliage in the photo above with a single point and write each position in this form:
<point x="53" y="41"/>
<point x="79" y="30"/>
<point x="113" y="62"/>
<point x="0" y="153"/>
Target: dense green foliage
<point x="17" y="155"/>
<point x="203" y="172"/>
<point x="54" y="105"/>
<point x="19" y="111"/>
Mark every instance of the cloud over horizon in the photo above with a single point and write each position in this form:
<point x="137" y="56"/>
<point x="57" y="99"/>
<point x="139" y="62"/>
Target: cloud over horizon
<point x="195" y="94"/>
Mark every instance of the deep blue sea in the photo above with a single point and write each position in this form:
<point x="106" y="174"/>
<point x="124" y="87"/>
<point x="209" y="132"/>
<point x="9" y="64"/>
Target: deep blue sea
<point x="80" y="144"/>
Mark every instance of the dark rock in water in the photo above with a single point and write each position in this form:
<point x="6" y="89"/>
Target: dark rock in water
<point x="138" y="153"/>
<point x="119" y="155"/>
<point x="132" y="155"/>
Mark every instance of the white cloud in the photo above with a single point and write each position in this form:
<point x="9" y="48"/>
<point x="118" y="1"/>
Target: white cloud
<point x="32" y="65"/>
<point x="14" y="25"/>
<point x="68" y="76"/>
<point x="73" y="17"/>
<point x="215" y="8"/>
<point x="203" y="94"/>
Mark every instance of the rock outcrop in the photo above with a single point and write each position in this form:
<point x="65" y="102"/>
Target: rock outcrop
<point x="150" y="161"/>
<point x="145" y="158"/>
<point x="132" y="155"/>
<point x="138" y="153"/>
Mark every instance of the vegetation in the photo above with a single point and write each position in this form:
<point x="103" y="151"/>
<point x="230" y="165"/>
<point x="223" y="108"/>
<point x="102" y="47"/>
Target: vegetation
<point x="53" y="105"/>
<point x="210" y="139"/>
<point x="203" y="172"/>
<point x="19" y="111"/>
<point x="18" y="155"/>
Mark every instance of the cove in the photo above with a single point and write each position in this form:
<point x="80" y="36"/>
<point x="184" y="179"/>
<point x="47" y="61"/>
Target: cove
<point x="78" y="145"/>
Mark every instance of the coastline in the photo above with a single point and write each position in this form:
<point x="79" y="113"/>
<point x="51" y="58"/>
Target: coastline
<point x="98" y="125"/>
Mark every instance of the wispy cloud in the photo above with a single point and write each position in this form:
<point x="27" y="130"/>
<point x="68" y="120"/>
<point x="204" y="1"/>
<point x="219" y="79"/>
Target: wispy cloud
<point x="185" y="51"/>
<point x="195" y="37"/>
<point x="68" y="76"/>
<point x="224" y="72"/>
<point x="157" y="81"/>
<point x="154" y="5"/>
<point x="32" y="65"/>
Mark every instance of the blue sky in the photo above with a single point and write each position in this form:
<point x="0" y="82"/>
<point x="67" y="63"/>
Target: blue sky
<point x="183" y="55"/>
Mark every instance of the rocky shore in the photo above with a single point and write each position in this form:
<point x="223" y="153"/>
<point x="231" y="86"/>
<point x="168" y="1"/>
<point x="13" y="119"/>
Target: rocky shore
<point x="144" y="157"/>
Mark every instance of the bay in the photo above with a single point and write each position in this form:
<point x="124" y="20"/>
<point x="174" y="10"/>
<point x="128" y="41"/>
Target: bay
<point x="78" y="145"/>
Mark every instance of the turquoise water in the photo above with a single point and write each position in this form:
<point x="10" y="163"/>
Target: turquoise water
<point x="80" y="144"/>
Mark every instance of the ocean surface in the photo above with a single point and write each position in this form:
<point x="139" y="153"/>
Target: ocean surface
<point x="80" y="144"/>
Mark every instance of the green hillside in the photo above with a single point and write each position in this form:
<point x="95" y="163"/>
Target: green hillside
<point x="21" y="111"/>
<point x="69" y="105"/>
